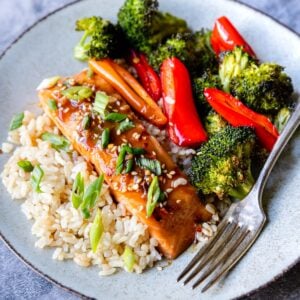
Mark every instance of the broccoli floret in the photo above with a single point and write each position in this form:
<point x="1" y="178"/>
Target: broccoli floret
<point x="180" y="46"/>
<point x="199" y="84"/>
<point x="223" y="164"/>
<point x="214" y="123"/>
<point x="101" y="39"/>
<point x="232" y="63"/>
<point x="282" y="118"/>
<point x="192" y="49"/>
<point x="264" y="88"/>
<point x="145" y="27"/>
<point x="204" y="52"/>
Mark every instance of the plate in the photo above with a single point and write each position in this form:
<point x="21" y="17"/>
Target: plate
<point x="46" y="50"/>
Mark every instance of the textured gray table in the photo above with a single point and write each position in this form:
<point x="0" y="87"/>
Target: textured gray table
<point x="17" y="281"/>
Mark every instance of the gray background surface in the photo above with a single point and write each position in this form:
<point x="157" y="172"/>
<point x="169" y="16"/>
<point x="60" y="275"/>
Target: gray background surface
<point x="17" y="281"/>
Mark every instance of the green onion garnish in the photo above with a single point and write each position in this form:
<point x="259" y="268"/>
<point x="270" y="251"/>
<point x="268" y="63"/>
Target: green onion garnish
<point x="96" y="231"/>
<point x="37" y="175"/>
<point x="125" y="125"/>
<point x="16" y="121"/>
<point x="52" y="104"/>
<point x="105" y="138"/>
<point x="128" y="165"/>
<point x="26" y="165"/>
<point x="115" y="117"/>
<point x="154" y="195"/>
<point x="48" y="83"/>
<point x="90" y="196"/>
<point x="120" y="160"/>
<point x="128" y="258"/>
<point x="100" y="104"/>
<point x="152" y="165"/>
<point x="126" y="149"/>
<point x="77" y="93"/>
<point x="137" y="151"/>
<point x="86" y="122"/>
<point x="58" y="142"/>
<point x="77" y="190"/>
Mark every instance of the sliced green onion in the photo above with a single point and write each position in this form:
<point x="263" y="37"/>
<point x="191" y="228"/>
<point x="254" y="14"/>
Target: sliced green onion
<point x="91" y="194"/>
<point x="58" y="142"/>
<point x="152" y="165"/>
<point x="77" y="93"/>
<point x="86" y="213"/>
<point x="100" y="104"/>
<point x="26" y="165"/>
<point x="115" y="117"/>
<point x="128" y="165"/>
<point x="128" y="258"/>
<point x="77" y="190"/>
<point x="52" y="104"/>
<point x="105" y="138"/>
<point x="137" y="151"/>
<point x="96" y="231"/>
<point x="134" y="151"/>
<point x="16" y="121"/>
<point x="125" y="125"/>
<point x="120" y="160"/>
<point x="48" y="83"/>
<point x="37" y="175"/>
<point x="86" y="122"/>
<point x="126" y="149"/>
<point x="154" y="196"/>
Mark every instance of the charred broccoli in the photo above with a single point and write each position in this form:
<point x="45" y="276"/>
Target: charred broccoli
<point x="223" y="165"/>
<point x="214" y="123"/>
<point x="264" y="88"/>
<point x="199" y="84"/>
<point x="145" y="27"/>
<point x="232" y="63"/>
<point x="192" y="49"/>
<point x="101" y="39"/>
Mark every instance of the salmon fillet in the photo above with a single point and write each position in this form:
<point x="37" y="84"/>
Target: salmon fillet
<point x="173" y="222"/>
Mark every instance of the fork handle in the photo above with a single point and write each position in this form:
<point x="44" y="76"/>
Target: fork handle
<point x="284" y="137"/>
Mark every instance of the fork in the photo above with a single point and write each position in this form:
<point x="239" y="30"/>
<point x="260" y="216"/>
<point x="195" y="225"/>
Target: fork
<point x="240" y="226"/>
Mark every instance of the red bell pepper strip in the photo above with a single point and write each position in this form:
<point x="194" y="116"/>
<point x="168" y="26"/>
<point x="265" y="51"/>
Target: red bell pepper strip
<point x="184" y="127"/>
<point x="149" y="79"/>
<point x="225" y="37"/>
<point x="237" y="114"/>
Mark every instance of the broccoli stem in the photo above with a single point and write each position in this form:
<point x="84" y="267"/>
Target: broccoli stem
<point x="79" y="49"/>
<point x="243" y="189"/>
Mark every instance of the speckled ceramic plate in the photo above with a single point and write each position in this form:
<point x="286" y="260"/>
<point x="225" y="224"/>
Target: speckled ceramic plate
<point x="46" y="50"/>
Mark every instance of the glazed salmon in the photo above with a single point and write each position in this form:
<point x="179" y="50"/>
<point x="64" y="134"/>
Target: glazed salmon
<point x="174" y="220"/>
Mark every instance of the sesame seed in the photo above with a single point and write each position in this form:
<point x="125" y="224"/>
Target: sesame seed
<point x="133" y="173"/>
<point x="135" y="187"/>
<point x="178" y="201"/>
<point x="172" y="172"/>
<point x="139" y="180"/>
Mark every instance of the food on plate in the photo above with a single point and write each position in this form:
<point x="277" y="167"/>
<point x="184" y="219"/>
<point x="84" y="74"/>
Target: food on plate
<point x="140" y="154"/>
<point x="128" y="161"/>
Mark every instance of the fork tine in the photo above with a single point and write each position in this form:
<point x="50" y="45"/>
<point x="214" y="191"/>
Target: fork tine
<point x="228" y="251"/>
<point x="233" y="260"/>
<point x="204" y="249"/>
<point x="215" y="250"/>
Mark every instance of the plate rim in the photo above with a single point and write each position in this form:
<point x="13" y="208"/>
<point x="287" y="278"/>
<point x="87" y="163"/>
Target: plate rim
<point x="53" y="280"/>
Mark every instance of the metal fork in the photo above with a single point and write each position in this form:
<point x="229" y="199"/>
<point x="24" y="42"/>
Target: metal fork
<point x="240" y="226"/>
